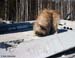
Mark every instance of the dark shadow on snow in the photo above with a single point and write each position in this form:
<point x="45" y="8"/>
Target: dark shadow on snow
<point x="16" y="27"/>
<point x="4" y="45"/>
<point x="7" y="44"/>
<point x="62" y="30"/>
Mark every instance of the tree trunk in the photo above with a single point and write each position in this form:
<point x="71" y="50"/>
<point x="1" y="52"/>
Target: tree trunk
<point x="17" y="10"/>
<point x="22" y="10"/>
<point x="26" y="10"/>
<point x="6" y="10"/>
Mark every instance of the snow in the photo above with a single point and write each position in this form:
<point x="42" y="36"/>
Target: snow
<point x="67" y="23"/>
<point x="37" y="47"/>
<point x="46" y="46"/>
<point x="42" y="47"/>
<point x="15" y="36"/>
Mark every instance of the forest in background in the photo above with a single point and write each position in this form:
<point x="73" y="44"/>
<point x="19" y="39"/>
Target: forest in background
<point x="25" y="10"/>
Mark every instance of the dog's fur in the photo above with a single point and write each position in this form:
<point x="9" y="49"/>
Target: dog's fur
<point x="46" y="22"/>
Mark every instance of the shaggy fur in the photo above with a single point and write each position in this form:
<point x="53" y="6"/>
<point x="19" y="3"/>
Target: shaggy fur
<point x="46" y="22"/>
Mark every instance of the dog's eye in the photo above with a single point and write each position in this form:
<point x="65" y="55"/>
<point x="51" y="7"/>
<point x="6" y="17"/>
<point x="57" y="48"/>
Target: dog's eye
<point x="42" y="27"/>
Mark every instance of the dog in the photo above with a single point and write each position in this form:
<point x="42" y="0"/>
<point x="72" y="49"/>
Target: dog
<point x="46" y="22"/>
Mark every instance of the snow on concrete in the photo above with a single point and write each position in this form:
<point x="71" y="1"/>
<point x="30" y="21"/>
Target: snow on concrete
<point x="37" y="47"/>
<point x="46" y="46"/>
<point x="42" y="47"/>
<point x="18" y="35"/>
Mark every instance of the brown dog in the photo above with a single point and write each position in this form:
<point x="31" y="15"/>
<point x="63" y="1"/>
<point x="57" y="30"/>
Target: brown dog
<point x="46" y="22"/>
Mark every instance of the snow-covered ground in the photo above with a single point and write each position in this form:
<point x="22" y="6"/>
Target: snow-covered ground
<point x="37" y="47"/>
<point x="67" y="23"/>
<point x="41" y="47"/>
